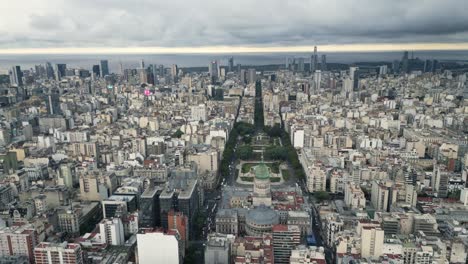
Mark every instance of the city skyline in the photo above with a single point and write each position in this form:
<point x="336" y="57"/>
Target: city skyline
<point x="380" y="47"/>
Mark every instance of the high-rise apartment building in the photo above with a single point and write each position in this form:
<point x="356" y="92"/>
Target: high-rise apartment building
<point x="316" y="178"/>
<point x="112" y="231"/>
<point x="372" y="238"/>
<point x="285" y="239"/>
<point x="354" y="196"/>
<point x="18" y="241"/>
<point x="96" y="186"/>
<point x="157" y="247"/>
<point x="199" y="112"/>
<point x="383" y="195"/>
<point x="64" y="253"/>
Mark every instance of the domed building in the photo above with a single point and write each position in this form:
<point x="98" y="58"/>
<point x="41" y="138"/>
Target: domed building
<point x="261" y="191"/>
<point x="260" y="220"/>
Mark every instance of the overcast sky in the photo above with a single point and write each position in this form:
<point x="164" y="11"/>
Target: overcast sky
<point x="40" y="24"/>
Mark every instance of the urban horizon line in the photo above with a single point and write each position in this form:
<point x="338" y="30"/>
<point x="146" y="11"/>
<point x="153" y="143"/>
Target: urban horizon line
<point x="378" y="47"/>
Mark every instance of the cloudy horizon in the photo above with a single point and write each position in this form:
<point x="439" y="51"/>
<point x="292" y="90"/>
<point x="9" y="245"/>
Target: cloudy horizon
<point x="142" y="26"/>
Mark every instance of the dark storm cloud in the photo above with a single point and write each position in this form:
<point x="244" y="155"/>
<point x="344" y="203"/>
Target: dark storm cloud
<point x="177" y="23"/>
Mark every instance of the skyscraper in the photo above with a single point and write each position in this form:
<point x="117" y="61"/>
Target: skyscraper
<point x="317" y="79"/>
<point x="242" y="76"/>
<point x="154" y="73"/>
<point x="314" y="60"/>
<point x="16" y="76"/>
<point x="96" y="70"/>
<point x="49" y="70"/>
<point x="300" y="67"/>
<point x="213" y="69"/>
<point x="143" y="76"/>
<point x="252" y="76"/>
<point x="396" y="66"/>
<point x="435" y="65"/>
<point x="231" y="64"/>
<point x="405" y="63"/>
<point x="53" y="104"/>
<point x="323" y="65"/>
<point x="383" y="70"/>
<point x="60" y="71"/>
<point x="104" y="68"/>
<point x="174" y="71"/>
<point x="353" y="73"/>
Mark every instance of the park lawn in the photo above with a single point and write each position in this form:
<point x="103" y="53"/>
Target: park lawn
<point x="247" y="179"/>
<point x="285" y="174"/>
<point x="273" y="166"/>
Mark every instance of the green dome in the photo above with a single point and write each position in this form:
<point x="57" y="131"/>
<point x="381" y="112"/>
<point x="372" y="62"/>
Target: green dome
<point x="261" y="171"/>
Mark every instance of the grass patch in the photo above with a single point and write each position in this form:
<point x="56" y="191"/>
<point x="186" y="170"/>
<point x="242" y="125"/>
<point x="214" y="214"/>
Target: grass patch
<point x="285" y="174"/>
<point x="276" y="179"/>
<point x="247" y="179"/>
<point x="274" y="167"/>
<point x="246" y="167"/>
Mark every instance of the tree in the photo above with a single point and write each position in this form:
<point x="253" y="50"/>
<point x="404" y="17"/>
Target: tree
<point x="177" y="134"/>
<point x="245" y="152"/>
<point x="258" y="114"/>
<point x="276" y="153"/>
<point x="244" y="128"/>
<point x="321" y="196"/>
<point x="274" y="131"/>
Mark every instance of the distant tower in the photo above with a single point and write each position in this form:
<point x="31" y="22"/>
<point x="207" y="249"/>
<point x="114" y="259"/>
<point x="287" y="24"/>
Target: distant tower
<point x="323" y="65"/>
<point x="174" y="71"/>
<point x="353" y="73"/>
<point x="314" y="60"/>
<point x="104" y="68"/>
<point x="16" y="76"/>
<point x="405" y="63"/>
<point x="142" y="64"/>
<point x="252" y="75"/>
<point x="231" y="64"/>
<point x="96" y="70"/>
<point x="49" y="70"/>
<point x="300" y="67"/>
<point x="213" y="69"/>
<point x="60" y="71"/>
<point x="53" y="103"/>
<point x="317" y="79"/>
